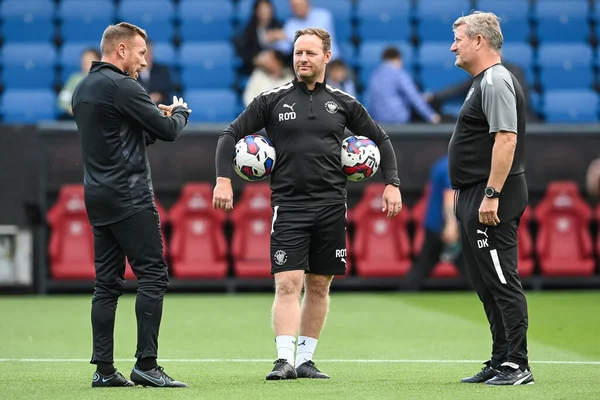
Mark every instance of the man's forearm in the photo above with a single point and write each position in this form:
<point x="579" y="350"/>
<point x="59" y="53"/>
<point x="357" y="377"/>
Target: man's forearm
<point x="502" y="159"/>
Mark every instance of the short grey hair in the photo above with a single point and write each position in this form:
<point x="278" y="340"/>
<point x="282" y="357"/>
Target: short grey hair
<point x="486" y="24"/>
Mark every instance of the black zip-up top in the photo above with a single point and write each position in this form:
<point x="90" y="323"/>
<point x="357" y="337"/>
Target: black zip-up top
<point x="306" y="128"/>
<point x="116" y="120"/>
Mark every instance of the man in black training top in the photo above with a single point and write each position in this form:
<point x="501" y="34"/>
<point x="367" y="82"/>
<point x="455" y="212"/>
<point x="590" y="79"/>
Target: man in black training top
<point x="116" y="121"/>
<point x="487" y="165"/>
<point x="308" y="232"/>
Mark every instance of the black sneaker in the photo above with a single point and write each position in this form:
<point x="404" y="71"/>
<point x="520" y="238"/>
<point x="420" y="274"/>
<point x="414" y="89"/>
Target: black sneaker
<point x="512" y="374"/>
<point x="155" y="377"/>
<point x="282" y="370"/>
<point x="114" y="380"/>
<point x="486" y="373"/>
<point x="309" y="370"/>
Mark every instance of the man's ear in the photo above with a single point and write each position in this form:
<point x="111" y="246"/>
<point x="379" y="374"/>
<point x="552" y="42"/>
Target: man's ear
<point x="121" y="49"/>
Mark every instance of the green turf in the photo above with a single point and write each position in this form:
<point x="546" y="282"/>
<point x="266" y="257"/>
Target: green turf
<point x="432" y="326"/>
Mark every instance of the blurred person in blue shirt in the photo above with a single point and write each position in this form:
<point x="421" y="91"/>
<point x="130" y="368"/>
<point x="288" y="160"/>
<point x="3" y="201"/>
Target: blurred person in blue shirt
<point x="441" y="229"/>
<point x="339" y="77"/>
<point x="391" y="93"/>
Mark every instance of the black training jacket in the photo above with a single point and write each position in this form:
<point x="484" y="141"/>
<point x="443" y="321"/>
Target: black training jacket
<point x="116" y="120"/>
<point x="306" y="128"/>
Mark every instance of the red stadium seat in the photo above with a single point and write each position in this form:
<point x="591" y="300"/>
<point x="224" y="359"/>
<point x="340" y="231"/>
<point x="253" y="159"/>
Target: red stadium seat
<point x="442" y="269"/>
<point x="525" y="245"/>
<point x="381" y="246"/>
<point x="198" y="246"/>
<point x="71" y="248"/>
<point x="564" y="243"/>
<point x="251" y="218"/>
<point x="163" y="221"/>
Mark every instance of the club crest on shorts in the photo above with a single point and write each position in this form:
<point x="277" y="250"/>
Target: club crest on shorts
<point x="331" y="107"/>
<point x="280" y="257"/>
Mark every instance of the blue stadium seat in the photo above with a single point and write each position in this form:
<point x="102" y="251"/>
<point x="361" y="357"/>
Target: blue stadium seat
<point x="207" y="65"/>
<point x="521" y="54"/>
<point x="435" y="17"/>
<point x="568" y="105"/>
<point x="28" y="65"/>
<point x="27" y="20"/>
<point x="85" y="20"/>
<point x="514" y="17"/>
<point x="369" y="57"/>
<point x="244" y="10"/>
<point x="212" y="105"/>
<point x="384" y="20"/>
<point x="562" y="20"/>
<point x="341" y="11"/>
<point x="437" y="66"/>
<point x="27" y="106"/>
<point x="348" y="52"/>
<point x="205" y="21"/>
<point x="164" y="53"/>
<point x="156" y="17"/>
<point x="565" y="66"/>
<point x="69" y="57"/>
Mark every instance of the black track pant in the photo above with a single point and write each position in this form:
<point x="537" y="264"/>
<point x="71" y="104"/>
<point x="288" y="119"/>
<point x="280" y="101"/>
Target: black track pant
<point x="138" y="238"/>
<point x="490" y="255"/>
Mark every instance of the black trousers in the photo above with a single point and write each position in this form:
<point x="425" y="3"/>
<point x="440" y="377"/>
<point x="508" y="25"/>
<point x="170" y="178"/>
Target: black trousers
<point x="433" y="247"/>
<point x="491" y="260"/>
<point x="139" y="239"/>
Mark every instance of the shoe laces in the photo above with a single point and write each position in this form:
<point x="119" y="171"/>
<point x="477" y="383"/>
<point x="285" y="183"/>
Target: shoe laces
<point x="162" y="371"/>
<point x="279" y="361"/>
<point x="505" y="371"/>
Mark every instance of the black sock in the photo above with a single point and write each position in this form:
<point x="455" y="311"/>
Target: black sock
<point x="105" y="368"/>
<point x="146" y="363"/>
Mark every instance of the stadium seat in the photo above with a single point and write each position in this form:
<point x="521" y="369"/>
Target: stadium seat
<point x="28" y="65"/>
<point x="69" y="57"/>
<point x="525" y="245"/>
<point x="341" y="11"/>
<point x="384" y="20"/>
<point x="156" y="17"/>
<point x="212" y="105"/>
<point x="566" y="21"/>
<point x="207" y="65"/>
<point x="198" y="246"/>
<point x="570" y="105"/>
<point x="162" y="213"/>
<point x="205" y="21"/>
<point x="437" y="66"/>
<point x="514" y="18"/>
<point x="85" y="21"/>
<point x="435" y="17"/>
<point x="164" y="53"/>
<point x="564" y="243"/>
<point x="418" y="212"/>
<point x="521" y="54"/>
<point x="565" y="66"/>
<point x="251" y="218"/>
<point x="27" y="106"/>
<point x="71" y="247"/>
<point x="381" y="246"/>
<point x="369" y="57"/>
<point x="27" y="20"/>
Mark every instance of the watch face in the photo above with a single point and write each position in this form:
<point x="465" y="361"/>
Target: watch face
<point x="489" y="192"/>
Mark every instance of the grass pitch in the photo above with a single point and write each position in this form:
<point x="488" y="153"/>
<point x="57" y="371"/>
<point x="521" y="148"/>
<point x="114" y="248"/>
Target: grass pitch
<point x="374" y="346"/>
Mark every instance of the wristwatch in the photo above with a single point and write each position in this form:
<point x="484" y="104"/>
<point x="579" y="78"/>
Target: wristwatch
<point x="492" y="193"/>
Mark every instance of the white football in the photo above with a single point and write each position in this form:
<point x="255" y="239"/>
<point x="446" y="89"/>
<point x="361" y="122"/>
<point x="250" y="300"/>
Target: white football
<point x="254" y="157"/>
<point x="360" y="158"/>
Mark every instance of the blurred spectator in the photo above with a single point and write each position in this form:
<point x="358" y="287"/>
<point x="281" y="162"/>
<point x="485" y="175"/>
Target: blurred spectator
<point x="270" y="72"/>
<point x="156" y="78"/>
<point x="459" y="92"/>
<point x="261" y="33"/>
<point x="391" y="93"/>
<point x="592" y="179"/>
<point x="305" y="16"/>
<point x="64" y="97"/>
<point x="338" y="76"/>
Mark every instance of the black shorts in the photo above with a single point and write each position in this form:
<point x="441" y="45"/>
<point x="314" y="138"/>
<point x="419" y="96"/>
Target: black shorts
<point x="312" y="239"/>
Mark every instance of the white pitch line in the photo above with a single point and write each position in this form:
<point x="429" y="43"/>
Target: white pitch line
<point x="244" y="360"/>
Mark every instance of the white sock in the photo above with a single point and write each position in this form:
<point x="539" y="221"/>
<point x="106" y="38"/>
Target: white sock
<point x="306" y="349"/>
<point x="285" y="348"/>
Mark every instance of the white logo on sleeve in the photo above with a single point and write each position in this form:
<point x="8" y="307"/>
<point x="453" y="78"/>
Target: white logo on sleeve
<point x="286" y="116"/>
<point x="481" y="243"/>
